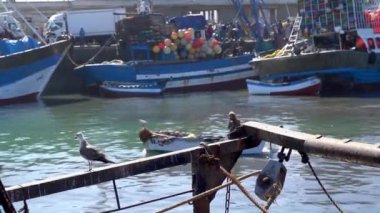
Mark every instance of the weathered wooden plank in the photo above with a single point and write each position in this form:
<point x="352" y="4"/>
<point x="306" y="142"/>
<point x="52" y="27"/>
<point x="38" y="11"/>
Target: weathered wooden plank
<point x="120" y="170"/>
<point x="338" y="149"/>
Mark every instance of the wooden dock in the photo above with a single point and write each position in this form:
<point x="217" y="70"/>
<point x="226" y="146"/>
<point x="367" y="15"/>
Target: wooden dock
<point x="207" y="175"/>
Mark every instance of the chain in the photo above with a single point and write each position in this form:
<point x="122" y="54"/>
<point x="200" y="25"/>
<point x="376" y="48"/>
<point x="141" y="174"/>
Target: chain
<point x="228" y="195"/>
<point x="305" y="159"/>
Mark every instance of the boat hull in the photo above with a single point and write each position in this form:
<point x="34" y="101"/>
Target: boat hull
<point x="25" y="74"/>
<point x="309" y="86"/>
<point x="341" y="71"/>
<point x="119" y="90"/>
<point x="157" y="145"/>
<point x="179" y="76"/>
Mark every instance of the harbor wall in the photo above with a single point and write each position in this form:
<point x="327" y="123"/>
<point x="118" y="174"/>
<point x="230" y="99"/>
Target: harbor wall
<point x="65" y="80"/>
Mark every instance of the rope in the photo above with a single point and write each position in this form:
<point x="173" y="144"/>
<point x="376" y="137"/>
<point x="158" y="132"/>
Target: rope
<point x="305" y="159"/>
<point x="323" y="188"/>
<point x="206" y="193"/>
<point x="73" y="62"/>
<point x="245" y="192"/>
<point x="278" y="187"/>
<point x="150" y="201"/>
<point x="91" y="60"/>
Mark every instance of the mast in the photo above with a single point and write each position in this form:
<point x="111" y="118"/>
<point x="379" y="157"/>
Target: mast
<point x="24" y="19"/>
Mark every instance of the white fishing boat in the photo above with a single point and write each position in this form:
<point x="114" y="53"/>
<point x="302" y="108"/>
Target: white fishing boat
<point x="168" y="141"/>
<point x="308" y="86"/>
<point x="114" y="89"/>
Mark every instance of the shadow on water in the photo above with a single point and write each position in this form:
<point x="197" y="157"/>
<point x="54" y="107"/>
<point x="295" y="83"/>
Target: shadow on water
<point x="51" y="101"/>
<point x="352" y="94"/>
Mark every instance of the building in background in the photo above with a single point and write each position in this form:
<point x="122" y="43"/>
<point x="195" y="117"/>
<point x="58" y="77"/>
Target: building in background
<point x="36" y="13"/>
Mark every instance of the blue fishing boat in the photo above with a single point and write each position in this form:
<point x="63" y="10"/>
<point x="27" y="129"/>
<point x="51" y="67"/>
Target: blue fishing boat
<point x="26" y="67"/>
<point x="180" y="76"/>
<point x="186" y="60"/>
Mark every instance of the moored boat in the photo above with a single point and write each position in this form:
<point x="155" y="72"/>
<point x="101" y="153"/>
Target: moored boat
<point x="180" y="76"/>
<point x="25" y="72"/>
<point x="114" y="89"/>
<point x="343" y="51"/>
<point x="186" y="60"/>
<point x="308" y="86"/>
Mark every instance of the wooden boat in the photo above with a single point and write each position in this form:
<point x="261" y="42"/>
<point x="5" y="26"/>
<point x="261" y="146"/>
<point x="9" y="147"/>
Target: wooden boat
<point x="168" y="141"/>
<point x="308" y="86"/>
<point x="114" y="89"/>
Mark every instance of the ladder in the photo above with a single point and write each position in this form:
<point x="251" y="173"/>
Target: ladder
<point x="288" y="48"/>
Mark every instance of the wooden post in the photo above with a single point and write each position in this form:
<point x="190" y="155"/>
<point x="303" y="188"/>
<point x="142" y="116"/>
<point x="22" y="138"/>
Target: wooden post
<point x="207" y="173"/>
<point x="208" y="176"/>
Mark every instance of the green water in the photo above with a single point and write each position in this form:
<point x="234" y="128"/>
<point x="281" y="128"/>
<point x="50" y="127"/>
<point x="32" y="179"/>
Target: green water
<point x="37" y="142"/>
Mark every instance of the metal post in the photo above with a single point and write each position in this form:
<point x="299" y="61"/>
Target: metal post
<point x="116" y="194"/>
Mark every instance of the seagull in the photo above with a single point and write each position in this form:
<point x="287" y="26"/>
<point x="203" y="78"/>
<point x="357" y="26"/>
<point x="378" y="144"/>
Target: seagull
<point x="143" y="122"/>
<point x="90" y="152"/>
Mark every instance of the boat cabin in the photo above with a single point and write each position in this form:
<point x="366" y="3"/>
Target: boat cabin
<point x="356" y="23"/>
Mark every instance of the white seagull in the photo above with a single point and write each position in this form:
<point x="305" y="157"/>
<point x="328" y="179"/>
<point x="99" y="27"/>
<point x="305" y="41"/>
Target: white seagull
<point x="90" y="152"/>
<point x="143" y="122"/>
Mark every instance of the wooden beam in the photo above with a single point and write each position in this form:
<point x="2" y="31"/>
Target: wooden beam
<point x="207" y="175"/>
<point x="120" y="170"/>
<point x="338" y="149"/>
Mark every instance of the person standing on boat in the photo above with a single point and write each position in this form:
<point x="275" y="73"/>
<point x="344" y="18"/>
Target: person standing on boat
<point x="209" y="31"/>
<point x="82" y="34"/>
<point x="233" y="124"/>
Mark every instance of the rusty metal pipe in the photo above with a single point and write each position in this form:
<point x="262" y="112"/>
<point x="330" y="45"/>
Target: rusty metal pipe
<point x="338" y="149"/>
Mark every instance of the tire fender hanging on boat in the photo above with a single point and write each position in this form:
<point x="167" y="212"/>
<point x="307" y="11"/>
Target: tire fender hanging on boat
<point x="371" y="57"/>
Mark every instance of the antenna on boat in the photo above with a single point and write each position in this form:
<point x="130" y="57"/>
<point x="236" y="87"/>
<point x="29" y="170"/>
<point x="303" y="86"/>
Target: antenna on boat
<point x="38" y="11"/>
<point x="144" y="7"/>
<point x="24" y="19"/>
<point x="287" y="8"/>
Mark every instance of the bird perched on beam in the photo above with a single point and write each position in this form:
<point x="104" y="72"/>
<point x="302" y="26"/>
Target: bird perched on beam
<point x="90" y="152"/>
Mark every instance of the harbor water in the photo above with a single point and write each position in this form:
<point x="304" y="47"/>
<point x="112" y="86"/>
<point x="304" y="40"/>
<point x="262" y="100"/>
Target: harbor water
<point x="37" y="142"/>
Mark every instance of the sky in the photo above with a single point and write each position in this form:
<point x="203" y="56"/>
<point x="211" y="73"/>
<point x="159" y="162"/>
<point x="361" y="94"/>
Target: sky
<point x="37" y="0"/>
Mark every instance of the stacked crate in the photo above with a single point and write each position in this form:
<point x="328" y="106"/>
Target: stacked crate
<point x="329" y="15"/>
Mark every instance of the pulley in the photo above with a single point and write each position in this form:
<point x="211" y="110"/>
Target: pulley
<point x="271" y="180"/>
